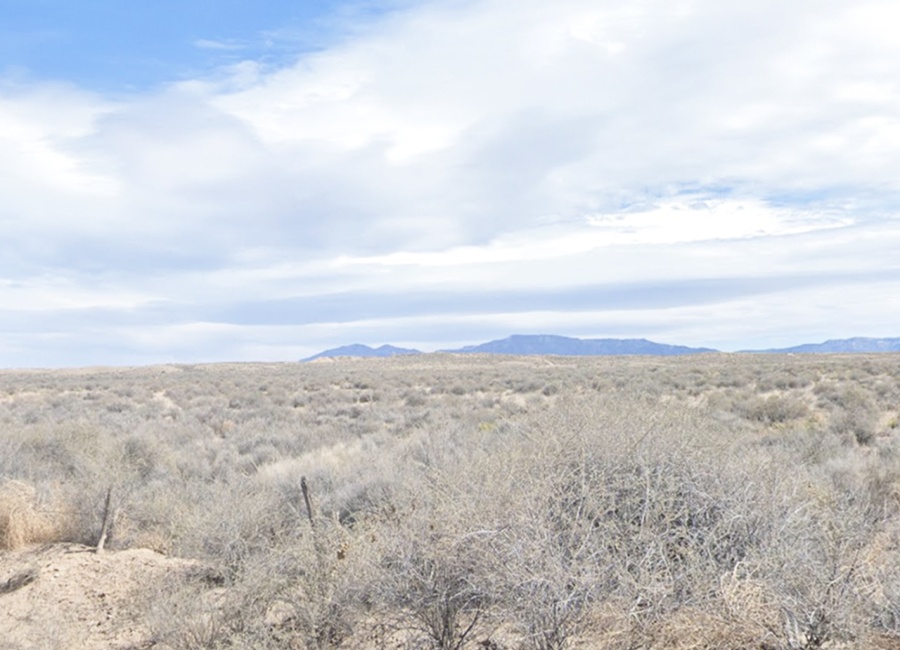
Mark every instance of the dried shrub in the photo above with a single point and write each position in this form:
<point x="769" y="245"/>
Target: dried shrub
<point x="186" y="611"/>
<point x="691" y="628"/>
<point x="857" y="422"/>
<point x="772" y="409"/>
<point x="21" y="522"/>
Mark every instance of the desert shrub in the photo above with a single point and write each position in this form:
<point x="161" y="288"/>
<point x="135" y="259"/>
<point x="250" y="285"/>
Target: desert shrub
<point x="550" y="389"/>
<point x="808" y="582"/>
<point x="285" y="583"/>
<point x="605" y="502"/>
<point x="415" y="399"/>
<point x="879" y="577"/>
<point x="432" y="583"/>
<point x="187" y="610"/>
<point x="22" y="521"/>
<point x="71" y="465"/>
<point x="783" y="379"/>
<point x="681" y="522"/>
<point x="809" y="570"/>
<point x="144" y="458"/>
<point x="548" y="569"/>
<point x="306" y="590"/>
<point x="772" y="409"/>
<point x="854" y="414"/>
<point x="857" y="425"/>
<point x="238" y="519"/>
<point x="68" y="451"/>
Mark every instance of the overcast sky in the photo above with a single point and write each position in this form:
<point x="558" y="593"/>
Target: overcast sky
<point x="187" y="180"/>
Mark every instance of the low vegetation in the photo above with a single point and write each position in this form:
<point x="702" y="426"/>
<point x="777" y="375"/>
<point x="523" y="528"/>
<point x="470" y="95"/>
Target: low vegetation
<point x="449" y="502"/>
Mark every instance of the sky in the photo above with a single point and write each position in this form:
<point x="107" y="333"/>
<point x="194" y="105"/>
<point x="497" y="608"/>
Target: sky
<point x="196" y="181"/>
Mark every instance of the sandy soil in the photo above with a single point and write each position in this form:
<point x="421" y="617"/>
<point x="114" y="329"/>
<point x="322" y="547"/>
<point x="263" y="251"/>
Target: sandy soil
<point x="66" y="597"/>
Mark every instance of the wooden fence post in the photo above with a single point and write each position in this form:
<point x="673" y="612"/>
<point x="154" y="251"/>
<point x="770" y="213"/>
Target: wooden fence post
<point x="108" y="516"/>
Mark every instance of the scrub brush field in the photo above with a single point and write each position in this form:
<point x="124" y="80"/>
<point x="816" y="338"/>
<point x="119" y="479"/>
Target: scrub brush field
<point x="454" y="501"/>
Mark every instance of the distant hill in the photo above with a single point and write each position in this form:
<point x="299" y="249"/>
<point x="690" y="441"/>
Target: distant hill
<point x="359" y="350"/>
<point x="525" y="344"/>
<point x="856" y="344"/>
<point x="566" y="346"/>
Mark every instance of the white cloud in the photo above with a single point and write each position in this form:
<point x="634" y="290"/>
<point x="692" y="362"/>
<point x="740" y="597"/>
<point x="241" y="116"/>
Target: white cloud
<point x="685" y="240"/>
<point x="460" y="146"/>
<point x="520" y="112"/>
<point x="37" y="129"/>
<point x="38" y="294"/>
<point x="213" y="44"/>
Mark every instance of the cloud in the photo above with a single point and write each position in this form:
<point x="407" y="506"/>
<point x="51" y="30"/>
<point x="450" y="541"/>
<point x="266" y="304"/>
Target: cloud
<point x="211" y="44"/>
<point x="497" y="123"/>
<point x="460" y="160"/>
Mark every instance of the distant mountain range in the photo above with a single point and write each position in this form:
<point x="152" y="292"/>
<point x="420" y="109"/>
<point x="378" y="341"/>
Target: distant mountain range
<point x="359" y="350"/>
<point x="572" y="347"/>
<point x="549" y="344"/>
<point x="528" y="345"/>
<point x="856" y="344"/>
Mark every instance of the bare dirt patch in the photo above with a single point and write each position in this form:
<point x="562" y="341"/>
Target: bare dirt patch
<point x="65" y="596"/>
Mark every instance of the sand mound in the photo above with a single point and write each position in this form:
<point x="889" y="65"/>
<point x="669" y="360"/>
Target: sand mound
<point x="65" y="596"/>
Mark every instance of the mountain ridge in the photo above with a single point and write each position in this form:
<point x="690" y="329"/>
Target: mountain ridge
<point x="529" y="344"/>
<point x="552" y="344"/>
<point x="526" y="344"/>
<point x="856" y="344"/>
<point x="363" y="351"/>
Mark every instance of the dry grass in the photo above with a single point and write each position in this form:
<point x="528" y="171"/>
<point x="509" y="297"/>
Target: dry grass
<point x="21" y="521"/>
